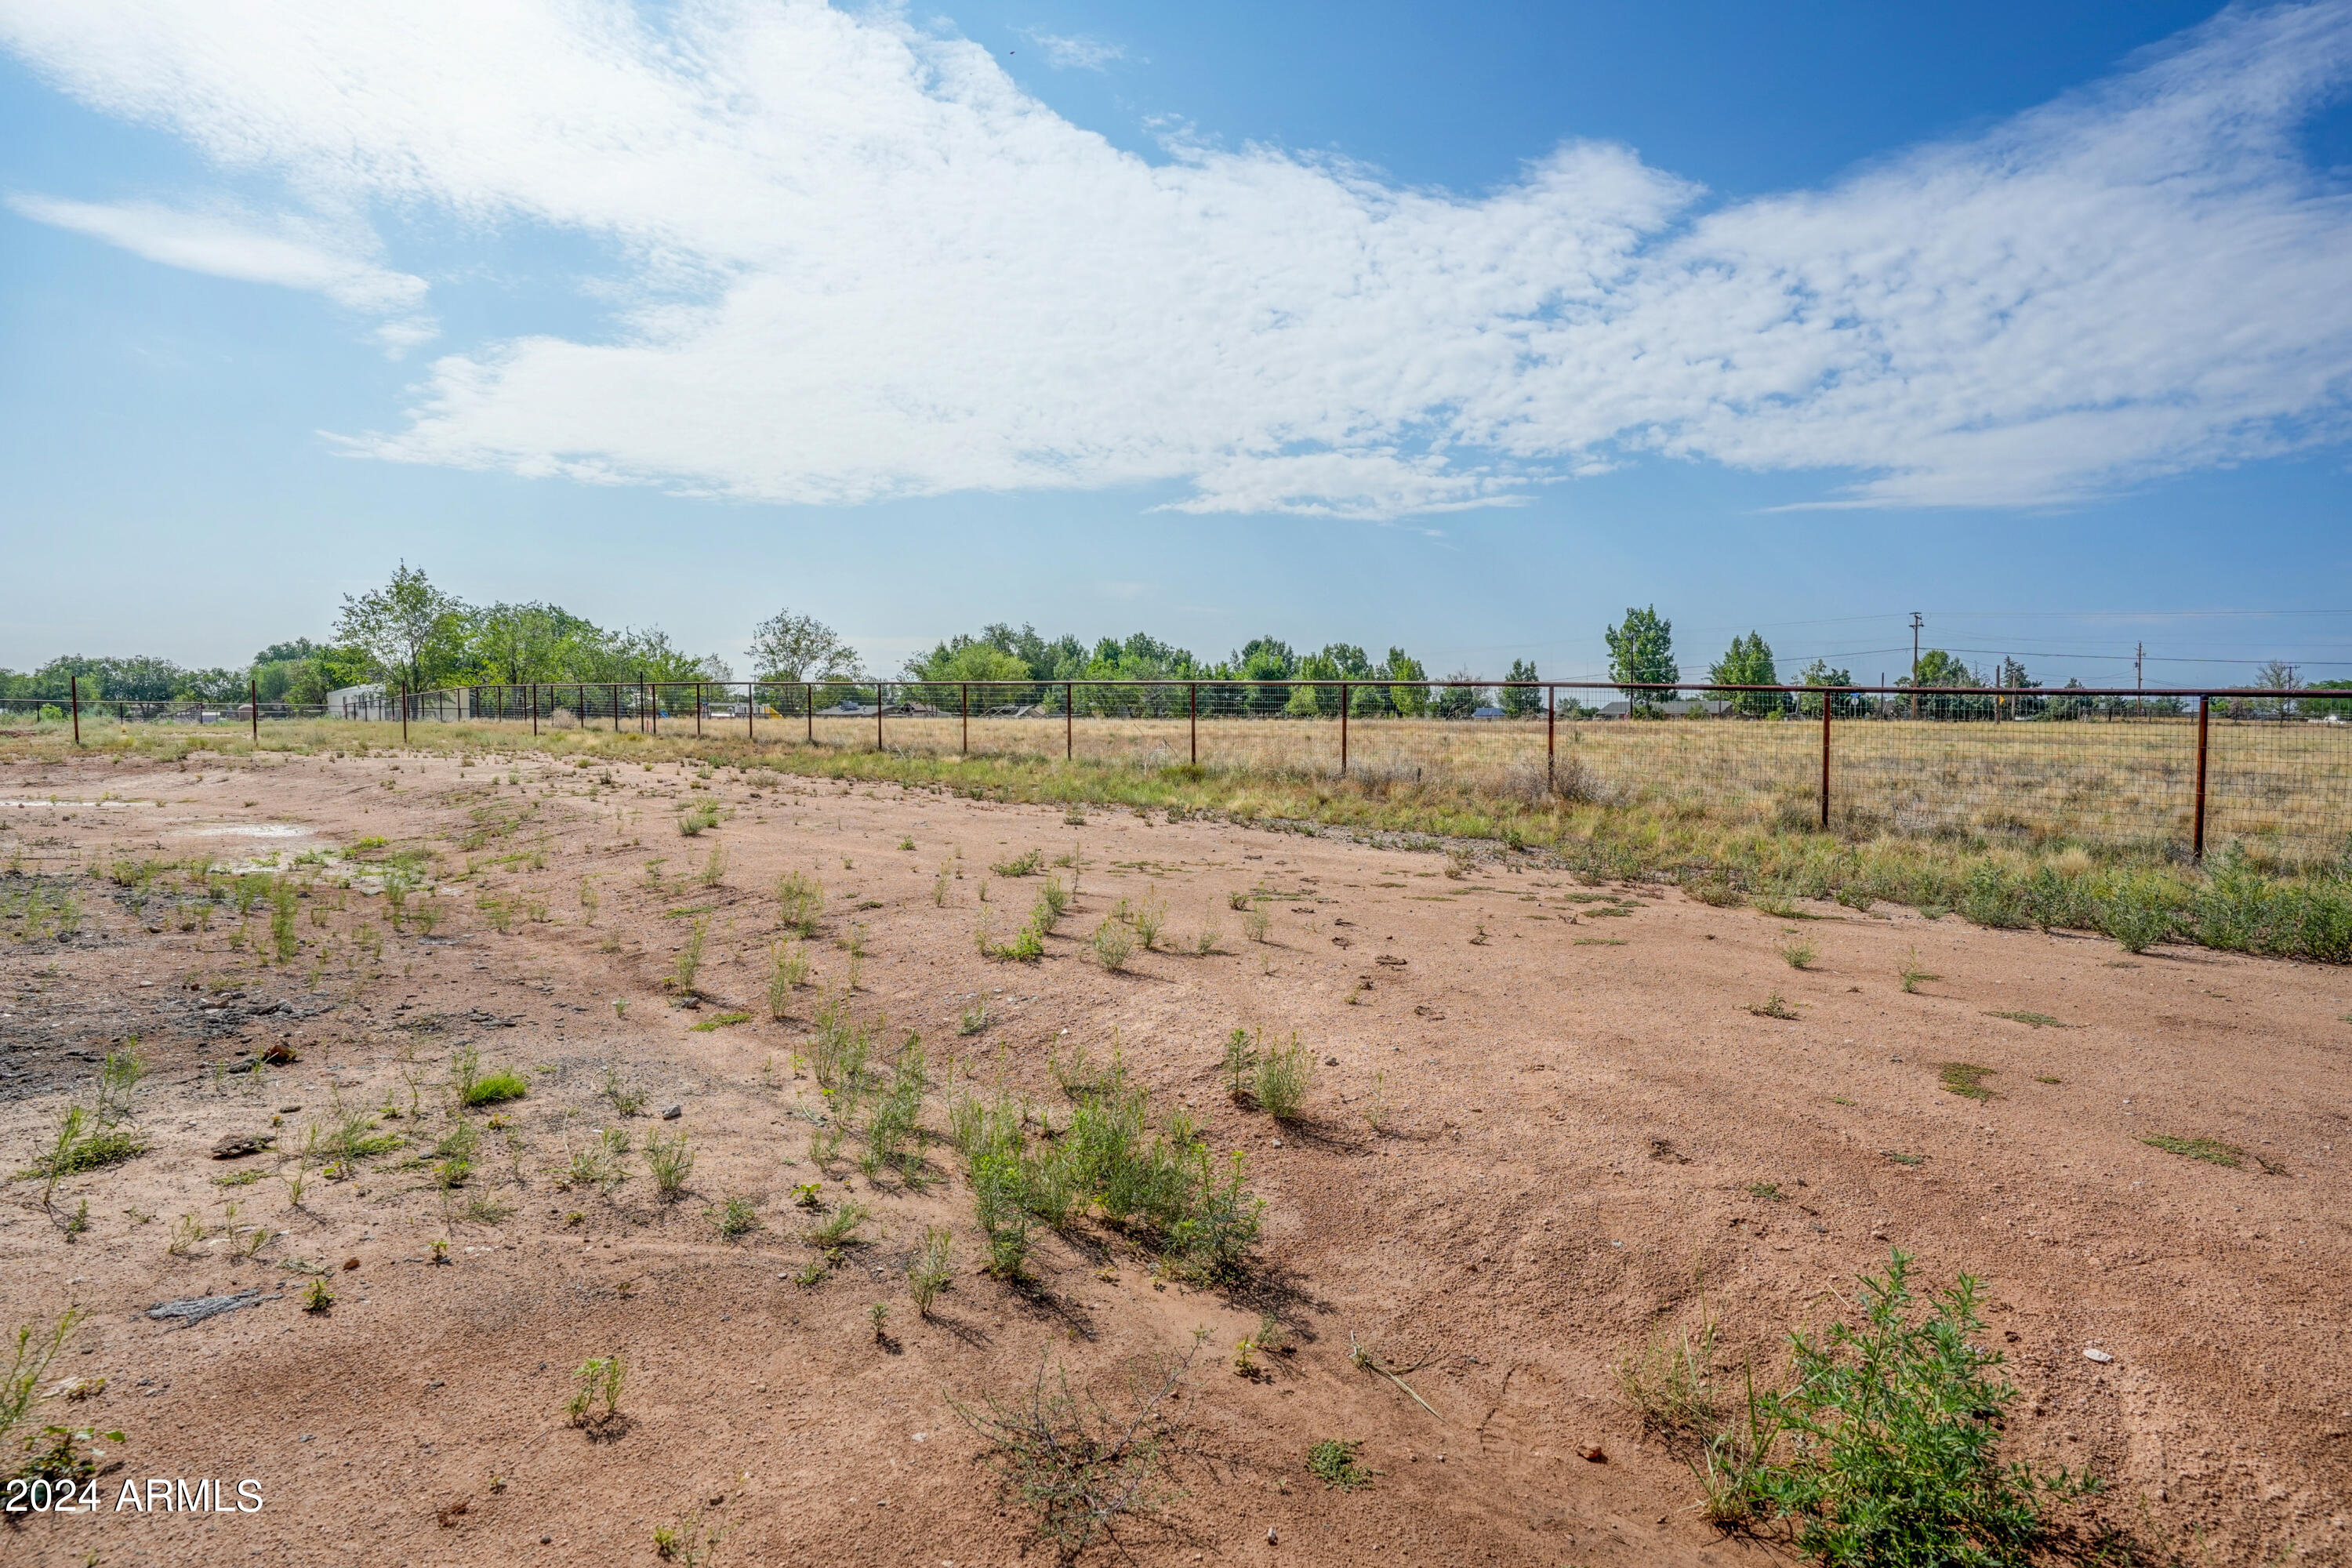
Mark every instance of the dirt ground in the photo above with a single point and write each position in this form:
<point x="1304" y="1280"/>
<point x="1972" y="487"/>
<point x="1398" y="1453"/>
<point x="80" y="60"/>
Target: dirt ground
<point x="1546" y="1124"/>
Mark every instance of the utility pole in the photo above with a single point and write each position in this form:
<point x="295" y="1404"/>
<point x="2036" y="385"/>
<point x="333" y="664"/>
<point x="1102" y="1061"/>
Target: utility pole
<point x="2139" y="657"/>
<point x="1916" y="624"/>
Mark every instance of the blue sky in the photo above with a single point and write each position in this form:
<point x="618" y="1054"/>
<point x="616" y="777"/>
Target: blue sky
<point x="1379" y="323"/>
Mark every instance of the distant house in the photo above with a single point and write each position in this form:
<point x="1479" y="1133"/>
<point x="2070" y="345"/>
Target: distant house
<point x="1487" y="710"/>
<point x="1713" y="708"/>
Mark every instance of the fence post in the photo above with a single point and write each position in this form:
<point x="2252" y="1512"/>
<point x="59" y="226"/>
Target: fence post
<point x="1343" y="728"/>
<point x="877" y="715"/>
<point x="534" y="708"/>
<point x="2197" y="839"/>
<point x="73" y="686"/>
<point x="967" y="718"/>
<point x="1196" y="724"/>
<point x="697" y="710"/>
<point x="750" y="706"/>
<point x="253" y="708"/>
<point x="652" y="689"/>
<point x="1826" y="704"/>
<point x="808" y="709"/>
<point x="1551" y="732"/>
<point x="404" y="715"/>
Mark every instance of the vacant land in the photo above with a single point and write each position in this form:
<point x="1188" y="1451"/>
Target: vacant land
<point x="1547" y="1123"/>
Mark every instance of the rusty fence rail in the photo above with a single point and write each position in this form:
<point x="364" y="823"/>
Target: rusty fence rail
<point x="2169" y="771"/>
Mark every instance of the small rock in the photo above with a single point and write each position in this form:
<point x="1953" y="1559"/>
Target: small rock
<point x="673" y="1112"/>
<point x="2101" y="1357"/>
<point x="349" y="1264"/>
<point x="238" y="1145"/>
<point x="1593" y="1452"/>
<point x="1270" y="1539"/>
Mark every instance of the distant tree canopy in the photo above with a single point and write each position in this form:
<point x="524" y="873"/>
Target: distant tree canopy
<point x="1642" y="652"/>
<point x="1937" y="667"/>
<point x="1819" y="673"/>
<point x="1748" y="662"/>
<point x="789" y="646"/>
<point x="412" y="633"/>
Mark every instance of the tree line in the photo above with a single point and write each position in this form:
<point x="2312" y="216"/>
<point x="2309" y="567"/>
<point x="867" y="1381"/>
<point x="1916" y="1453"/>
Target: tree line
<point x="410" y="633"/>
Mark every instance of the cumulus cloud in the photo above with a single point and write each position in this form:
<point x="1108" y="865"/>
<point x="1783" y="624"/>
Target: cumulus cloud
<point x="858" y="262"/>
<point x="291" y="256"/>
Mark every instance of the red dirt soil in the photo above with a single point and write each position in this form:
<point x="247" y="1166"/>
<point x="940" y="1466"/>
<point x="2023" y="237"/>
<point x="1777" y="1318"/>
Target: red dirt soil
<point x="1585" y="1135"/>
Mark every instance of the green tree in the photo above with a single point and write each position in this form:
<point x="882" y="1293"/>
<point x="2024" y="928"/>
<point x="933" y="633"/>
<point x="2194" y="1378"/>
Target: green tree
<point x="411" y="631"/>
<point x="1642" y="652"/>
<point x="1460" y="701"/>
<point x="1407" y="694"/>
<point x="792" y="647"/>
<point x="1328" y="664"/>
<point x="1264" y="659"/>
<point x="1522" y="702"/>
<point x="1939" y="668"/>
<point x="1748" y="662"/>
<point x="509" y="645"/>
<point x="1819" y="673"/>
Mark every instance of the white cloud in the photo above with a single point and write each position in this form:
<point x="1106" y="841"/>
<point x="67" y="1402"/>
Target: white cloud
<point x="858" y="262"/>
<point x="294" y="257"/>
<point x="1077" y="53"/>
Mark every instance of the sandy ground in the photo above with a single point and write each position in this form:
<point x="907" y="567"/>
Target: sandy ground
<point x="1580" y="1130"/>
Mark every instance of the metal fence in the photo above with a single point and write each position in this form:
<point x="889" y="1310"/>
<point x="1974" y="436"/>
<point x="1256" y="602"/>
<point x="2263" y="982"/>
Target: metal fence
<point x="2169" y="771"/>
<point x="69" y="708"/>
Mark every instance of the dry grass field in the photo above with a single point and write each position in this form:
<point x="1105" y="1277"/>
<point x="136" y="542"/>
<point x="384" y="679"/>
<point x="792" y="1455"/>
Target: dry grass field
<point x="2284" y="787"/>
<point x="1570" y="1157"/>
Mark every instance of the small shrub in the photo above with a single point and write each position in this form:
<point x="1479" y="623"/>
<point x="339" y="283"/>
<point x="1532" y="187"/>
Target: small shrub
<point x="688" y="964"/>
<point x="700" y="817"/>
<point x="1284" y="1074"/>
<point x="788" y="970"/>
<point x="1772" y="1007"/>
<point x="799" y="901"/>
<point x="974" y="1017"/>
<point x="1333" y="1462"/>
<point x="81" y="1146"/>
<point x="597" y="1401"/>
<point x="1884" y="1449"/>
<point x="2039" y="1020"/>
<point x="2135" y="915"/>
<point x="1257" y="925"/>
<point x="714" y="869"/>
<point x="737" y="1217"/>
<point x="317" y="1297"/>
<point x="496" y="1087"/>
<point x="1912" y="975"/>
<point x="1150" y="915"/>
<point x="1078" y="1462"/>
<point x="1800" y="954"/>
<point x="841" y="1229"/>
<point x="933" y="1269"/>
<point x="1027" y="864"/>
<point x="1240" y="1064"/>
<point x="670" y="1162"/>
<point x="1113" y="945"/>
<point x="623" y="1099"/>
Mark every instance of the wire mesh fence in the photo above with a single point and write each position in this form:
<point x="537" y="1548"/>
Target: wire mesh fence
<point x="59" y="711"/>
<point x="2168" y="772"/>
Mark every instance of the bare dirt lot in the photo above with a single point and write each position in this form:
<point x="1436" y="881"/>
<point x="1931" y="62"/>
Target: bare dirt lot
<point x="1546" y="1122"/>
